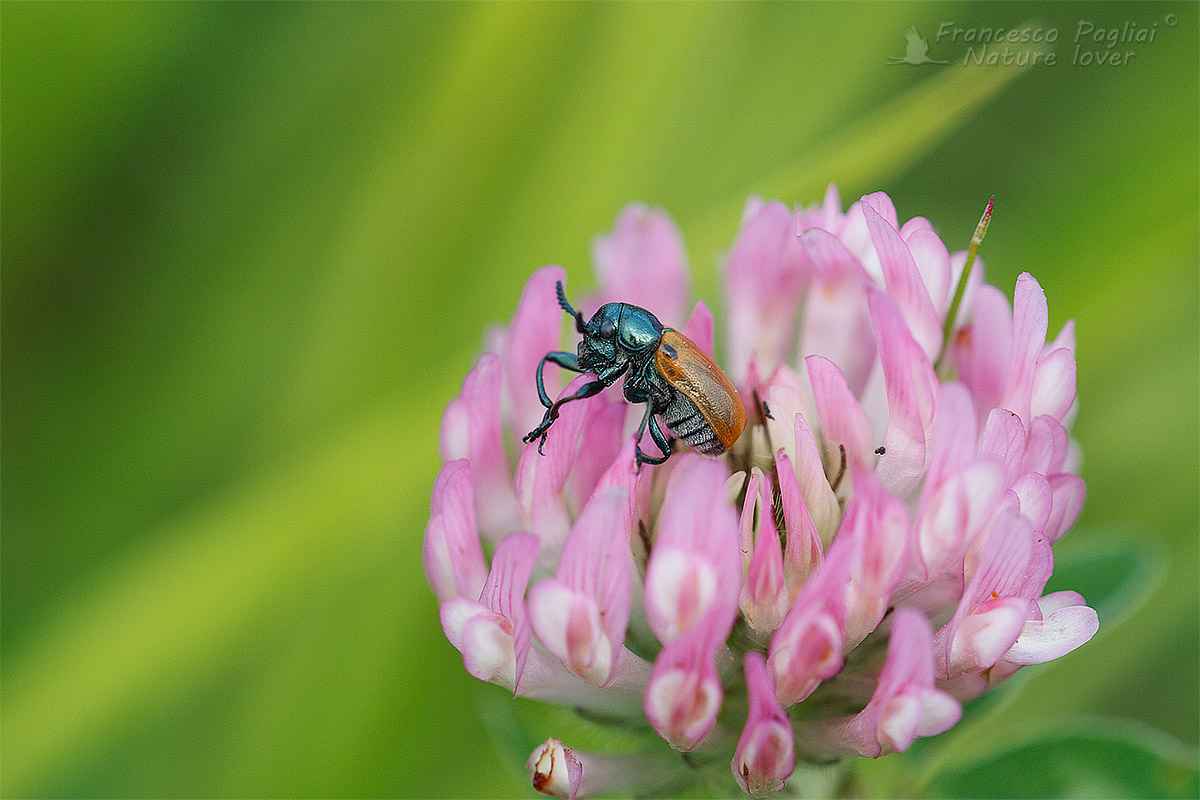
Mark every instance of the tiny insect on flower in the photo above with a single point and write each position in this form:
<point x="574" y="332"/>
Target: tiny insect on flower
<point x="663" y="369"/>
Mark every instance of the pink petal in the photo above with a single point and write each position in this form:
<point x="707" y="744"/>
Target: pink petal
<point x="694" y="565"/>
<point x="684" y="693"/>
<point x="939" y="713"/>
<point x="857" y="239"/>
<point x="955" y="432"/>
<point x="819" y="497"/>
<point x="700" y="328"/>
<point x="455" y="613"/>
<point x="911" y="390"/>
<point x="682" y="705"/>
<point x="1064" y="341"/>
<point x="807" y="648"/>
<point x="988" y="632"/>
<point x="451" y="551"/>
<point x="1041" y="567"/>
<point x="905" y="703"/>
<point x="988" y="613"/>
<point x="1054" y="384"/>
<point x="1073" y="459"/>
<point x="829" y="214"/>
<point x="765" y="254"/>
<point x="899" y="721"/>
<point x="504" y="592"/>
<point x="536" y="330"/>
<point x="493" y="633"/>
<point x="1033" y="490"/>
<point x="877" y="526"/>
<point x="1030" y="319"/>
<point x="809" y="654"/>
<point x="1003" y="442"/>
<point x="750" y="381"/>
<point x="488" y="650"/>
<point x="1067" y="495"/>
<point x="540" y="478"/>
<point x="471" y="429"/>
<point x="678" y="591"/>
<point x="1046" y="449"/>
<point x="905" y="286"/>
<point x="835" y="320"/>
<point x="643" y="262"/>
<point x="746" y="518"/>
<point x="882" y="205"/>
<point x="804" y="547"/>
<point x="581" y="614"/>
<point x="603" y="438"/>
<point x="910" y="653"/>
<point x="765" y="756"/>
<point x="1007" y="557"/>
<point x="982" y="350"/>
<point x="455" y="431"/>
<point x="568" y="623"/>
<point x="1056" y="635"/>
<point x="836" y="325"/>
<point x="623" y="474"/>
<point x="914" y="225"/>
<point x="766" y="274"/>
<point x="764" y="598"/>
<point x="609" y="542"/>
<point x="832" y="262"/>
<point x="933" y="263"/>
<point x="1054" y="601"/>
<point x="785" y="396"/>
<point x="843" y="422"/>
<point x="950" y="518"/>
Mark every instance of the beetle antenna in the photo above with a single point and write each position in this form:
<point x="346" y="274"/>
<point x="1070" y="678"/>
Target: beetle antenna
<point x="562" y="302"/>
<point x="562" y="299"/>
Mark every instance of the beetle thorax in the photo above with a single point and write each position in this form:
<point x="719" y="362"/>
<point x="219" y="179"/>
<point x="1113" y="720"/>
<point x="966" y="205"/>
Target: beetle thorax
<point x="619" y="336"/>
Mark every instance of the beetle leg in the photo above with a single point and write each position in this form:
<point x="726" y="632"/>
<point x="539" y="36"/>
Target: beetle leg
<point x="656" y="434"/>
<point x="660" y="438"/>
<point x="587" y="390"/>
<point x="563" y="359"/>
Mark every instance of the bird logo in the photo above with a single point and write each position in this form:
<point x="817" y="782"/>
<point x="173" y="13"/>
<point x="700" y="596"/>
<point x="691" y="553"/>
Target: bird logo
<point x="917" y="51"/>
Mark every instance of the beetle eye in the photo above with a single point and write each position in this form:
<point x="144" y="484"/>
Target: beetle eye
<point x="607" y="329"/>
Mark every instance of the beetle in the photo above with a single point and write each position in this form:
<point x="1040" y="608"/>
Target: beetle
<point x="663" y="369"/>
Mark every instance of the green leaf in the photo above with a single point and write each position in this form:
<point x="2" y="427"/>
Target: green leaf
<point x="1087" y="757"/>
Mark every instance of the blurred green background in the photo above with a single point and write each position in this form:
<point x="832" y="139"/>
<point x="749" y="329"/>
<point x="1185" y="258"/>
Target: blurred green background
<point x="250" y="250"/>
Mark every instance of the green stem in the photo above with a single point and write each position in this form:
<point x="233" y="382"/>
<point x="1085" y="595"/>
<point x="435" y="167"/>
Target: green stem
<point x="948" y="327"/>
